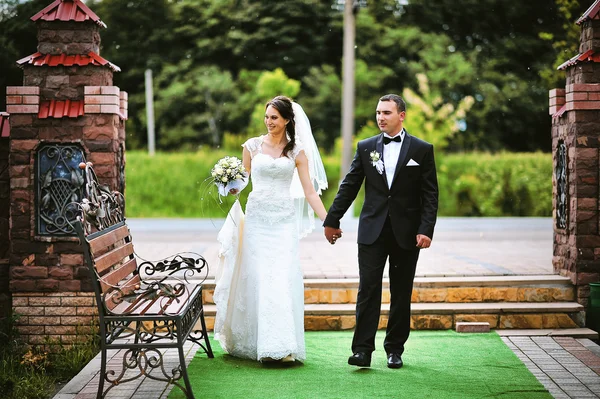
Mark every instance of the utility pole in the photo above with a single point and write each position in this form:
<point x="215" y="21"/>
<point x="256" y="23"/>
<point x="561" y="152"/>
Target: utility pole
<point x="150" y="111"/>
<point x="350" y="9"/>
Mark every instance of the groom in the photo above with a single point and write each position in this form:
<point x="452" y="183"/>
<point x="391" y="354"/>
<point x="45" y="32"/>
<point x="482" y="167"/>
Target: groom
<point x="396" y="221"/>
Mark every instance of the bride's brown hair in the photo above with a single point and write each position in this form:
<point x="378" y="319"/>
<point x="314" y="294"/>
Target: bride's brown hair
<point x="283" y="105"/>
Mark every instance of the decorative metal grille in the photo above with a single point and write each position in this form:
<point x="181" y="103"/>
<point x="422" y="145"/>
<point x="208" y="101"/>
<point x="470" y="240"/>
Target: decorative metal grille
<point x="561" y="186"/>
<point x="59" y="183"/>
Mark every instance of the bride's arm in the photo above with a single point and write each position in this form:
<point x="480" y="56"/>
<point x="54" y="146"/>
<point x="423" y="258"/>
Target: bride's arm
<point x="246" y="160"/>
<point x="309" y="190"/>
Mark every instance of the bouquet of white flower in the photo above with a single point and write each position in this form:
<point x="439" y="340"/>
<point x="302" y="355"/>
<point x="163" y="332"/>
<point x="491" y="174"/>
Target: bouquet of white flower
<point x="229" y="173"/>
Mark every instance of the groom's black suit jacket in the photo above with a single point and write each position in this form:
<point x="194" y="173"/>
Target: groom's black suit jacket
<point x="411" y="203"/>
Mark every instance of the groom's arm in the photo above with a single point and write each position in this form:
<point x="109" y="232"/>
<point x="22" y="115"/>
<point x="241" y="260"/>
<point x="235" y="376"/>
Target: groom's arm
<point x="429" y="194"/>
<point x="347" y="192"/>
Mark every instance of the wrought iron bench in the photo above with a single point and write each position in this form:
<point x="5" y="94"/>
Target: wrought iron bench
<point x="144" y="309"/>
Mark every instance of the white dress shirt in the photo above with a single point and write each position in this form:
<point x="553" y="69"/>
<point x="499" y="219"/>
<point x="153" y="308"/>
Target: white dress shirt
<point x="391" y="152"/>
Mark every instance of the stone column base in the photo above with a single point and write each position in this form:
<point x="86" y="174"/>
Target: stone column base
<point x="55" y="318"/>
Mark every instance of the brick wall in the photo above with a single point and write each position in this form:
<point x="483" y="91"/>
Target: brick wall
<point x="590" y="36"/>
<point x="61" y="37"/>
<point x="4" y="221"/>
<point x="62" y="317"/>
<point x="66" y="83"/>
<point x="47" y="263"/>
<point x="577" y="247"/>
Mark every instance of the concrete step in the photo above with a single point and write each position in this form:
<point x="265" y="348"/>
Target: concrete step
<point x="442" y="316"/>
<point x="562" y="332"/>
<point x="541" y="288"/>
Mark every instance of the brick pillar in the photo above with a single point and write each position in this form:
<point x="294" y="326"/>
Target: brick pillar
<point x="5" y="299"/>
<point x="67" y="100"/>
<point x="575" y="114"/>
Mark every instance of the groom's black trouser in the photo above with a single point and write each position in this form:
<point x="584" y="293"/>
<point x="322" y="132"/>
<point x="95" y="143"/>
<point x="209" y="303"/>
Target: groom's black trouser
<point x="371" y="262"/>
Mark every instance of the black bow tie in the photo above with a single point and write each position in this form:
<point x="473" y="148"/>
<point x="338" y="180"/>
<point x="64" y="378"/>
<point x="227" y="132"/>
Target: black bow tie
<point x="387" y="140"/>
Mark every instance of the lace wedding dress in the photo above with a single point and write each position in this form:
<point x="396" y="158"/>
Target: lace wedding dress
<point x="259" y="292"/>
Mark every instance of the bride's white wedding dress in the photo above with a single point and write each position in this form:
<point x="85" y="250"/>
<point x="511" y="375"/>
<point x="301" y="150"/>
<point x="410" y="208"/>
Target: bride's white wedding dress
<point x="259" y="292"/>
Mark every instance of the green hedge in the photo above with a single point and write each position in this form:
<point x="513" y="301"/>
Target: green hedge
<point x="476" y="184"/>
<point x="507" y="184"/>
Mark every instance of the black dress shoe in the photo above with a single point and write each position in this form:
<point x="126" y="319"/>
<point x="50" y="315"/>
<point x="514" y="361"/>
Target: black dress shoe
<point x="360" y="359"/>
<point x="394" y="361"/>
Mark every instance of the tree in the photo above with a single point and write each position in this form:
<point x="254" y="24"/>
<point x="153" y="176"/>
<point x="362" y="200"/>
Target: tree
<point x="321" y="99"/>
<point x="18" y="38"/>
<point x="435" y="121"/>
<point x="502" y="41"/>
<point x="428" y="116"/>
<point x="269" y="85"/>
<point x="191" y="106"/>
<point x="502" y="55"/>
<point x="564" y="42"/>
<point x="258" y="35"/>
<point x="139" y="35"/>
<point x="233" y="36"/>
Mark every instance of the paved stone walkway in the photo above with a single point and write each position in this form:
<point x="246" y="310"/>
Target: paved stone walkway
<point x="568" y="367"/>
<point x="85" y="384"/>
<point x="461" y="246"/>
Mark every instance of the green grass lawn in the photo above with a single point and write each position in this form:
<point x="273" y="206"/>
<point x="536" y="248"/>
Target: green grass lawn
<point x="438" y="364"/>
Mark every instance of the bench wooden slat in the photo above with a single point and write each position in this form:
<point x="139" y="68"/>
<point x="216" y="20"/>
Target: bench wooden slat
<point x="139" y="306"/>
<point x="164" y="304"/>
<point x="175" y="305"/>
<point x="154" y="306"/>
<point x="126" y="288"/>
<point x="108" y="239"/>
<point x="113" y="257"/>
<point x="114" y="277"/>
<point x="164" y="307"/>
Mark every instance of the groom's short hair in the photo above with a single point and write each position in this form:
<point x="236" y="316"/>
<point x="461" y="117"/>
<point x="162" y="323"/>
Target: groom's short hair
<point x="400" y="104"/>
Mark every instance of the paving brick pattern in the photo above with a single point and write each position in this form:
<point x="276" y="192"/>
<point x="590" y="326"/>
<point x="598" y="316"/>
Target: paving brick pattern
<point x="567" y="367"/>
<point x="85" y="384"/>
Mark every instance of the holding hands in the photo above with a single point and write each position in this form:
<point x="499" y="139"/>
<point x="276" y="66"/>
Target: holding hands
<point x="332" y="234"/>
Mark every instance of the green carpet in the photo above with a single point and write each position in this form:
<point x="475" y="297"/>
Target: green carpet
<point x="437" y="364"/>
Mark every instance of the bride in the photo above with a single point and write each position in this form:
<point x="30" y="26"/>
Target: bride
<point x="259" y="292"/>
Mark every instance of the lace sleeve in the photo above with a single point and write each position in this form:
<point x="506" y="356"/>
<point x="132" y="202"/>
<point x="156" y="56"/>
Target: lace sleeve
<point x="252" y="145"/>
<point x="298" y="147"/>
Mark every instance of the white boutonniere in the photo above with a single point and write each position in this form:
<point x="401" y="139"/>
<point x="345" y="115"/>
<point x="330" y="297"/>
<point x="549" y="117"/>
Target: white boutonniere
<point x="376" y="161"/>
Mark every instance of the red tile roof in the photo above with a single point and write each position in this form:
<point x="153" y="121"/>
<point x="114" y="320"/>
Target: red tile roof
<point x="560" y="112"/>
<point x="60" y="109"/>
<point x="591" y="13"/>
<point x="68" y="10"/>
<point x="39" y="59"/>
<point x="589" y="55"/>
<point x="4" y="125"/>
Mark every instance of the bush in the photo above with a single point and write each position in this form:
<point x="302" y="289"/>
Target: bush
<point x="31" y="372"/>
<point x="175" y="185"/>
<point x="22" y="374"/>
<point x="505" y="184"/>
<point x="475" y="184"/>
